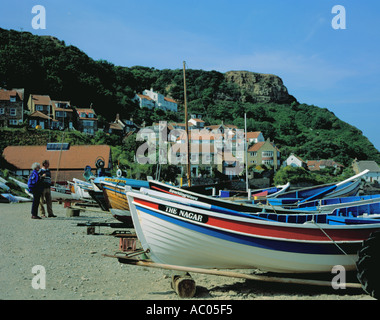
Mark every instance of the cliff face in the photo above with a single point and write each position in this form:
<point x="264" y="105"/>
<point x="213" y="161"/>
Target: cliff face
<point x="259" y="87"/>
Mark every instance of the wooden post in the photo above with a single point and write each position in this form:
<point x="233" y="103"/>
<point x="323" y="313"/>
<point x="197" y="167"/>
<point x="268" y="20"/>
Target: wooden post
<point x="186" y="127"/>
<point x="228" y="273"/>
<point x="70" y="212"/>
<point x="183" y="285"/>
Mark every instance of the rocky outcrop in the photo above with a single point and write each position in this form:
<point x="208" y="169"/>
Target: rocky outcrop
<point x="259" y="87"/>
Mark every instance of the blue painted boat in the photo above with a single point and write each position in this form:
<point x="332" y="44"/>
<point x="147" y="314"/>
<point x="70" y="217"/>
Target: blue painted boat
<point x="348" y="187"/>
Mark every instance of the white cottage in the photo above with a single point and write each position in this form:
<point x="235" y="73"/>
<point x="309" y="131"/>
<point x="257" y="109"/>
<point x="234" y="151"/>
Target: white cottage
<point x="151" y="99"/>
<point x="374" y="170"/>
<point x="295" y="161"/>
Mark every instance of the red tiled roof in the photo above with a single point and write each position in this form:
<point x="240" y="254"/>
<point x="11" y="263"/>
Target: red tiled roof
<point x="77" y="157"/>
<point x="142" y="96"/>
<point x="256" y="147"/>
<point x="42" y="100"/>
<point x="38" y="114"/>
<point x="253" y="135"/>
<point x="170" y="99"/>
<point x="196" y="120"/>
<point x="6" y="94"/>
<point x="316" y="164"/>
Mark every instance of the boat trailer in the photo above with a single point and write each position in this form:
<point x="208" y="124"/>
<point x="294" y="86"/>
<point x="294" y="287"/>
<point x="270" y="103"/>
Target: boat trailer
<point x="185" y="286"/>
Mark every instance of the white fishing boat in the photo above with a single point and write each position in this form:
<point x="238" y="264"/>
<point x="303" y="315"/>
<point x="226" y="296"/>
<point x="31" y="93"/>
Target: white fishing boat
<point x="187" y="235"/>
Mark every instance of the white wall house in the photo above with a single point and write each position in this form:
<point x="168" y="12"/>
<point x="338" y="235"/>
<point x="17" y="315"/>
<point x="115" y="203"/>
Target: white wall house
<point x="145" y="101"/>
<point x="295" y="161"/>
<point x="374" y="170"/>
<point x="151" y="99"/>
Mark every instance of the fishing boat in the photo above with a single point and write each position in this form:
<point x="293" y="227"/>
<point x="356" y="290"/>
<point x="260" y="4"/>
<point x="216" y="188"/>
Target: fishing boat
<point x="348" y="187"/>
<point x="14" y="199"/>
<point x="57" y="191"/>
<point x="265" y="193"/>
<point x="3" y="184"/>
<point x="325" y="205"/>
<point x="114" y="190"/>
<point x="186" y="235"/>
<point x="80" y="189"/>
<point x="117" y="201"/>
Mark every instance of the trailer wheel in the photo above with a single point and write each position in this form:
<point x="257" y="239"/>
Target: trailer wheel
<point x="368" y="265"/>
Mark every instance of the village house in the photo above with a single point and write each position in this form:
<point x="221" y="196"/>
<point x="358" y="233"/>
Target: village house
<point x="145" y="101"/>
<point x="201" y="158"/>
<point x="121" y="127"/>
<point x="87" y="121"/>
<point x="295" y="161"/>
<point x="65" y="164"/>
<point x="11" y="107"/>
<point x="39" y="120"/>
<point x="40" y="103"/>
<point x="316" y="165"/>
<point x="264" y="153"/>
<point x="151" y="99"/>
<point x="196" y="121"/>
<point x="63" y="113"/>
<point x="254" y="137"/>
<point x="374" y="170"/>
<point x="41" y="112"/>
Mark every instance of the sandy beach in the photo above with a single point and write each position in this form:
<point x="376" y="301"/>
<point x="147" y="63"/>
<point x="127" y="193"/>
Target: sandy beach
<point x="77" y="270"/>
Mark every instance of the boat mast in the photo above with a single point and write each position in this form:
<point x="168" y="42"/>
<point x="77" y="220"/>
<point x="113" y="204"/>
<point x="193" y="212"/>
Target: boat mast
<point x="186" y="127"/>
<point x="59" y="159"/>
<point x="246" y="153"/>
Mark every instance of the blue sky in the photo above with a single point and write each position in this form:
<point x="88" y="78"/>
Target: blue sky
<point x="294" y="39"/>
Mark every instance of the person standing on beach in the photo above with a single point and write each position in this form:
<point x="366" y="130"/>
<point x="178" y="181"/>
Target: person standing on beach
<point x="35" y="187"/>
<point x="45" y="176"/>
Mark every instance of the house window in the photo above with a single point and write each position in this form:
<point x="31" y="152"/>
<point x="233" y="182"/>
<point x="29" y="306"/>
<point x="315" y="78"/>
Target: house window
<point x="2" y="110"/>
<point x="12" y="111"/>
<point x="206" y="158"/>
<point x="60" y="114"/>
<point x="90" y="131"/>
<point x="12" y="99"/>
<point x="253" y="154"/>
<point x="83" y="115"/>
<point x="91" y="115"/>
<point x="87" y="123"/>
<point x="267" y="154"/>
<point x="13" y="122"/>
<point x="194" y="158"/>
<point x="39" y="108"/>
<point x="33" y="123"/>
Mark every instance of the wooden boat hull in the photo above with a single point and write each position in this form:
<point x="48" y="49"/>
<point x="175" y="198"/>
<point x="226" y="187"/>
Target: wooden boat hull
<point x="117" y="201"/>
<point x="186" y="236"/>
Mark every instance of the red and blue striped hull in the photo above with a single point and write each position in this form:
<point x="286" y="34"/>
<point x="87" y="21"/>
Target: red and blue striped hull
<point x="187" y="236"/>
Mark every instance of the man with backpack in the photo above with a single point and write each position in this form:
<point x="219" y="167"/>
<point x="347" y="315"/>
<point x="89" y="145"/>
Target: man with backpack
<point x="35" y="187"/>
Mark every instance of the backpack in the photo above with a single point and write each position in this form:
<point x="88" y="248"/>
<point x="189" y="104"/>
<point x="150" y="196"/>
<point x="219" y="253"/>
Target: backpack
<point x="32" y="181"/>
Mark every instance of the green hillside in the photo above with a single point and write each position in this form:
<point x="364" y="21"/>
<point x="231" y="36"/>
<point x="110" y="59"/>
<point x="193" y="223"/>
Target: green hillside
<point x="45" y="65"/>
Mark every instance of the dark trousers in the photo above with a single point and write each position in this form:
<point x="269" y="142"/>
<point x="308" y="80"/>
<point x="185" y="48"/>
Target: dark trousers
<point x="36" y="201"/>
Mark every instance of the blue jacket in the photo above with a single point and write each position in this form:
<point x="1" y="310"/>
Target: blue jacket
<point x="34" y="183"/>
